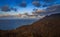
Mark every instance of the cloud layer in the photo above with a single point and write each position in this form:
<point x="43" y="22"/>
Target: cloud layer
<point x="50" y="10"/>
<point x="28" y="5"/>
<point x="49" y="1"/>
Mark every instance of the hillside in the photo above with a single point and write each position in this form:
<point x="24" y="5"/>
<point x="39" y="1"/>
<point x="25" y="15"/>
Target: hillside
<point x="49" y="26"/>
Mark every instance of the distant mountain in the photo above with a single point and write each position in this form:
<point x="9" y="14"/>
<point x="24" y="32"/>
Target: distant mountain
<point x="49" y="26"/>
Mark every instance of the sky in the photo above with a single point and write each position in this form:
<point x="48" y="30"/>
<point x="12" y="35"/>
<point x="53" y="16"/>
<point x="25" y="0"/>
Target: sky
<point x="23" y="6"/>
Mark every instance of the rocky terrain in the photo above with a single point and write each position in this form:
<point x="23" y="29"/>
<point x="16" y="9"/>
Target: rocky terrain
<point x="49" y="26"/>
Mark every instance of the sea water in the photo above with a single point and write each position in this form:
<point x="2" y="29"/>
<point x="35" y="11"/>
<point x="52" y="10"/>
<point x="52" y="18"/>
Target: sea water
<point x="9" y="24"/>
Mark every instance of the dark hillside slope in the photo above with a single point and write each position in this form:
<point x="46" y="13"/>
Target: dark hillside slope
<point x="48" y="26"/>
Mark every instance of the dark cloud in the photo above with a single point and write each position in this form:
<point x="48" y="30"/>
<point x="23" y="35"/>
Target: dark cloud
<point x="35" y="9"/>
<point x="35" y="0"/>
<point x="36" y="3"/>
<point x="48" y="4"/>
<point x="38" y="12"/>
<point x="50" y="10"/>
<point x="49" y="1"/>
<point x="45" y="5"/>
<point x="54" y="8"/>
<point x="14" y="9"/>
<point x="23" y="4"/>
<point x="5" y="8"/>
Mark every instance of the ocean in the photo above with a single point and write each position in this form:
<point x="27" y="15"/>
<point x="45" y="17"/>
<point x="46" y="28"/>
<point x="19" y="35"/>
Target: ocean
<point x="10" y="24"/>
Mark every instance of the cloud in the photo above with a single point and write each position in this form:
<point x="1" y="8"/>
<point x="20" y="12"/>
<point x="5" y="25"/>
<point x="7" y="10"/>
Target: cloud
<point x="48" y="4"/>
<point x="14" y="9"/>
<point x="23" y="4"/>
<point x="50" y="10"/>
<point x="49" y="1"/>
<point x="54" y="8"/>
<point x="39" y="12"/>
<point x="5" y="8"/>
<point x="35" y="0"/>
<point x="36" y="3"/>
<point x="44" y="5"/>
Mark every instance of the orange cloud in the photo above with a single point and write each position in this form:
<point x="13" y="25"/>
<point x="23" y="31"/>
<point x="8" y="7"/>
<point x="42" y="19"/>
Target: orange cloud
<point x="39" y="11"/>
